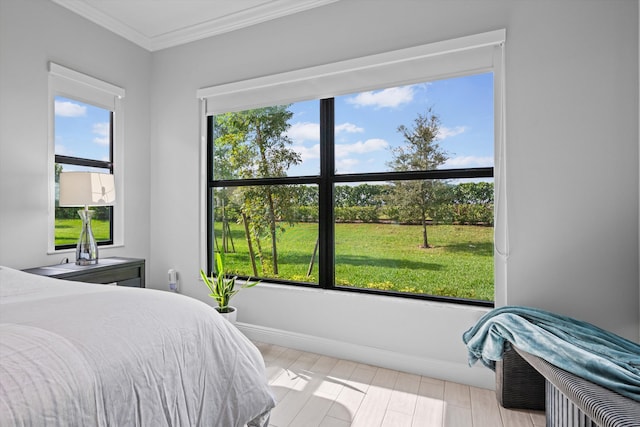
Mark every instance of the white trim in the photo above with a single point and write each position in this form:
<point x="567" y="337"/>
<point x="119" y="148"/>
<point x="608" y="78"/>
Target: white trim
<point x="77" y="77"/>
<point x="235" y="21"/>
<point x="464" y="55"/>
<point x="73" y="250"/>
<point x="502" y="247"/>
<point x="51" y="170"/>
<point x="119" y="171"/>
<point x="86" y="10"/>
<point x="70" y="83"/>
<point x="264" y="12"/>
<point x="434" y="368"/>
<point x="203" y="185"/>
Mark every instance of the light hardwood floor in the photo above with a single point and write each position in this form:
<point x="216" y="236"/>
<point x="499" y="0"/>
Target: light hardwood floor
<point x="315" y="390"/>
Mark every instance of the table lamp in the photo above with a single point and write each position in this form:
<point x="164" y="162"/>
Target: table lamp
<point x="86" y="189"/>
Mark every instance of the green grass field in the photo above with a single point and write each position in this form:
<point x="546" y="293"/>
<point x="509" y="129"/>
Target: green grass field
<point x="384" y="256"/>
<point x="68" y="230"/>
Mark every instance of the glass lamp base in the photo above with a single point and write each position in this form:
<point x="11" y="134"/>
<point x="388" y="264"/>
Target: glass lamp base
<point x="87" y="248"/>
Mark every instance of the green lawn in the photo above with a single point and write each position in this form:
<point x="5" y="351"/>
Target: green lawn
<point x="385" y="256"/>
<point x="68" y="230"/>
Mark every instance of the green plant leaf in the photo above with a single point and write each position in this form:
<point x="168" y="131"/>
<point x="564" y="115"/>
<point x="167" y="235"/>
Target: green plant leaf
<point x="222" y="285"/>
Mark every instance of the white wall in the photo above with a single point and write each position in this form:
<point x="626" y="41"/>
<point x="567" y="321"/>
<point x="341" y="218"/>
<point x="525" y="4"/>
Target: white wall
<point x="32" y="33"/>
<point x="572" y="135"/>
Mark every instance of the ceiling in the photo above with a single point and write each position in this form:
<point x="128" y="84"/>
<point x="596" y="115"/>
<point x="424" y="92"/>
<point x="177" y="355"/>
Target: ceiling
<point x="158" y="24"/>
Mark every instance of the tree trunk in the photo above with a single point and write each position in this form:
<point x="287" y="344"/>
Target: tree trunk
<point x="249" y="245"/>
<point x="256" y="237"/>
<point x="272" y="227"/>
<point x="425" y="240"/>
<point x="272" y="210"/>
<point x="313" y="257"/>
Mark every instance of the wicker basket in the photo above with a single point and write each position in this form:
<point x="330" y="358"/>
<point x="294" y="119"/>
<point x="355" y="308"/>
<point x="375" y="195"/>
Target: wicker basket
<point x="518" y="384"/>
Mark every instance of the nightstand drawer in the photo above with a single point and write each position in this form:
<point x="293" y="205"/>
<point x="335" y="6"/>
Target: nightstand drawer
<point x="108" y="276"/>
<point x="132" y="283"/>
<point x="111" y="270"/>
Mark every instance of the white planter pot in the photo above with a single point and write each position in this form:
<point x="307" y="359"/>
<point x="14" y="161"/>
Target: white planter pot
<point x="231" y="315"/>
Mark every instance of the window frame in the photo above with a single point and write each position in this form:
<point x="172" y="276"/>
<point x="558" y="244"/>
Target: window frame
<point x="71" y="84"/>
<point x="91" y="163"/>
<point x="326" y="180"/>
<point x="452" y="58"/>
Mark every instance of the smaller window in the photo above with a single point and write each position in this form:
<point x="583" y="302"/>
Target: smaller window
<point x="84" y="130"/>
<point x="83" y="142"/>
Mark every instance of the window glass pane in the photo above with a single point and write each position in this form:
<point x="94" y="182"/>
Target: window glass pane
<point x="268" y="231"/>
<point x="267" y="142"/>
<point x="456" y="114"/>
<point x="422" y="236"/>
<point x="67" y="221"/>
<point x="82" y="130"/>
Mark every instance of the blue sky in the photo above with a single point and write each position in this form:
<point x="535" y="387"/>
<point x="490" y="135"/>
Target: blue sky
<point x="367" y="122"/>
<point x="81" y="130"/>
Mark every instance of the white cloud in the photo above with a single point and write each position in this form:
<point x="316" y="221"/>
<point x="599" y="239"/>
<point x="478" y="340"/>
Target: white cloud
<point x="308" y="153"/>
<point x="69" y="109"/>
<point x="102" y="130"/>
<point x="375" y="144"/>
<point x="386" y="98"/>
<point x="346" y="165"/>
<point x="304" y="131"/>
<point x="468" y="161"/>
<point x="349" y="128"/>
<point x="445" y="132"/>
<point x="307" y="131"/>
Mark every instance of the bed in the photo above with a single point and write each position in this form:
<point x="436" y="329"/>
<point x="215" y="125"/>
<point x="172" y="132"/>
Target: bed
<point x="84" y="354"/>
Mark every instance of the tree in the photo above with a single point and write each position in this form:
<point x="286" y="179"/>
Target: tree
<point x="254" y="144"/>
<point x="472" y="202"/>
<point x="421" y="151"/>
<point x="363" y="195"/>
<point x="473" y="193"/>
<point x="58" y="170"/>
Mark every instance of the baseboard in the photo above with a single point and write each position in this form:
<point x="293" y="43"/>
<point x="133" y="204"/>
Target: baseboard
<point x="449" y="371"/>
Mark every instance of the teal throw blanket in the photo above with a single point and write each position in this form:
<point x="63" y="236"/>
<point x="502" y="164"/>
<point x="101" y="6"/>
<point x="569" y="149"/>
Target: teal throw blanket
<point x="575" y="346"/>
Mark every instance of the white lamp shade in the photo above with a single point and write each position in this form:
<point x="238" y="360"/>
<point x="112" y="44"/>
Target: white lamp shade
<point x="87" y="189"/>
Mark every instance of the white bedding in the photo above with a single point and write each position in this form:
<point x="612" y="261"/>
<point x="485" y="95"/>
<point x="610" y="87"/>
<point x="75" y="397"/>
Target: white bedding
<point x="78" y="354"/>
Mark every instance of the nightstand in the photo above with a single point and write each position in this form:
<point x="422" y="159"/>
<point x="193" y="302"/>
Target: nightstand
<point x="121" y="271"/>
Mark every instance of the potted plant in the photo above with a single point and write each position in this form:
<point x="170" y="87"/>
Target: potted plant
<point x="223" y="287"/>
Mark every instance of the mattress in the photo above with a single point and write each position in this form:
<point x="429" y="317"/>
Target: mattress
<point x="76" y="354"/>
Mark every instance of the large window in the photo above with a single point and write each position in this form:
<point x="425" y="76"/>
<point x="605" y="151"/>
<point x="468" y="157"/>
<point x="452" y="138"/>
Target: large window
<point x="386" y="188"/>
<point x="85" y="127"/>
<point x="388" y="191"/>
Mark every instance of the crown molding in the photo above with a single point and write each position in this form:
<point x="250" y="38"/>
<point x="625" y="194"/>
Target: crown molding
<point x="245" y="18"/>
<point x="236" y="21"/>
<point x="98" y="17"/>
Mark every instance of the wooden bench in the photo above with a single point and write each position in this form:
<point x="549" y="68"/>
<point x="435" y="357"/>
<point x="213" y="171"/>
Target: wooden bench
<point x="524" y="381"/>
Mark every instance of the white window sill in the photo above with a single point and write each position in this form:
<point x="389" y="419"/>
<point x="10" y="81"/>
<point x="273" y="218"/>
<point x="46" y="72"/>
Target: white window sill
<point x="73" y="250"/>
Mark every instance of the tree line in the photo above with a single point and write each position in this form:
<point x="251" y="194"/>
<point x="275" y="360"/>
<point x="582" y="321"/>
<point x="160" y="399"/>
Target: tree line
<point x="466" y="203"/>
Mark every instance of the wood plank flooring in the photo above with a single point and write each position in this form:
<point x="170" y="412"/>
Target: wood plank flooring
<point x="315" y="390"/>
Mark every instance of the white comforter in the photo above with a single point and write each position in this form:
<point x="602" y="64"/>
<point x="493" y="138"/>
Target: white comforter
<point x="78" y="354"/>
